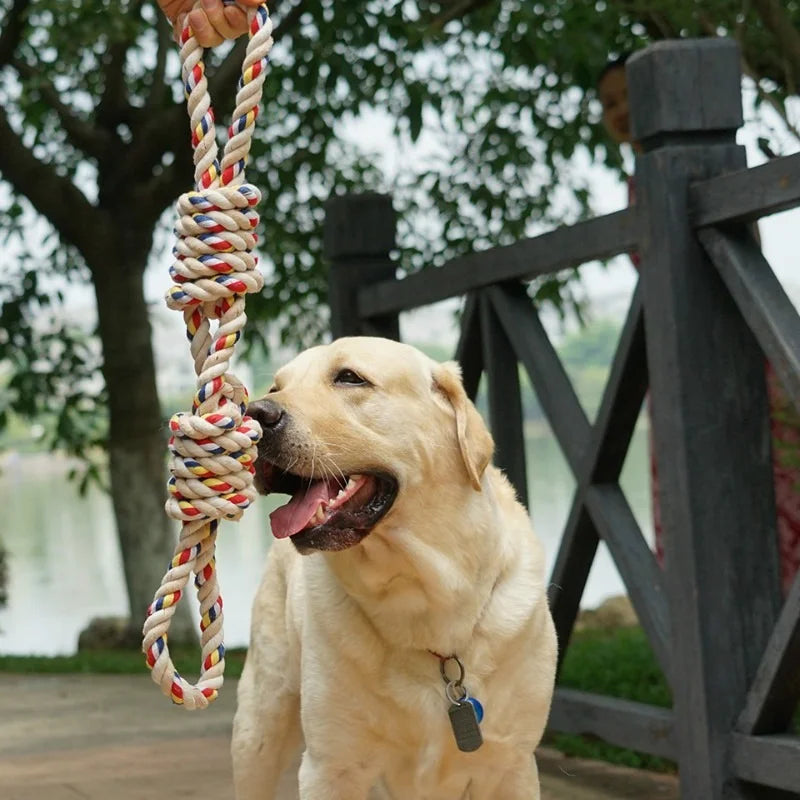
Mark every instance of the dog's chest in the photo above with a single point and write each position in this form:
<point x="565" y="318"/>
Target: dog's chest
<point x="419" y="754"/>
<point x="433" y="770"/>
<point x="400" y="784"/>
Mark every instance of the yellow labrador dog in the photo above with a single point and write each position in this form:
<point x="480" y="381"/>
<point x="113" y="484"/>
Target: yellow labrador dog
<point x="401" y="641"/>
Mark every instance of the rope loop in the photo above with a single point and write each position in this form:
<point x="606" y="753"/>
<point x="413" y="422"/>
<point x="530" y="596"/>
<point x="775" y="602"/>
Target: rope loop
<point x="213" y="447"/>
<point x="208" y="171"/>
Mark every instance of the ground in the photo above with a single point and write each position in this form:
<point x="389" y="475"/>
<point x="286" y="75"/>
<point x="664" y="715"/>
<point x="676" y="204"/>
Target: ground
<point x="94" y="737"/>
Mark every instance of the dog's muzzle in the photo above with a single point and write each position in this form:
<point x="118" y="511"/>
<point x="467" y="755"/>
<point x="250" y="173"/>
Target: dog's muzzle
<point x="329" y="508"/>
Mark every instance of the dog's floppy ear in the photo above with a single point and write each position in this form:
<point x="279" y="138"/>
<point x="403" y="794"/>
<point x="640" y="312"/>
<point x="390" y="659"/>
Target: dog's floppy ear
<point x="474" y="441"/>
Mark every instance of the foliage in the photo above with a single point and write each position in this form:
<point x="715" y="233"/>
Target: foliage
<point x="785" y="419"/>
<point x="616" y="663"/>
<point x="590" y="747"/>
<point x="485" y="102"/>
<point x="49" y="365"/>
<point x="114" y="662"/>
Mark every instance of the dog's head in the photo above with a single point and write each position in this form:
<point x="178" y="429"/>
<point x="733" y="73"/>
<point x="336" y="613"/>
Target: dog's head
<point x="350" y="427"/>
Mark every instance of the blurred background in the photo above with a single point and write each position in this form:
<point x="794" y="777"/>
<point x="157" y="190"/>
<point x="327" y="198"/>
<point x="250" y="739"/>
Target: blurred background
<point x="480" y="117"/>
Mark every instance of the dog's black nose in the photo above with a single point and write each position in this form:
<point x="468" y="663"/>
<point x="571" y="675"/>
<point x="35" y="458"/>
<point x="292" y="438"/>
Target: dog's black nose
<point x="266" y="413"/>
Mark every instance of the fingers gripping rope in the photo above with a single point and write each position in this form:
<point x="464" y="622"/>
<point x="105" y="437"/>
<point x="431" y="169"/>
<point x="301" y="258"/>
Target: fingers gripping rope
<point x="213" y="448"/>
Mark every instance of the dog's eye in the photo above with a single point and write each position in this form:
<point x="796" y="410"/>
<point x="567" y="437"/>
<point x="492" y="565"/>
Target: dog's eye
<point x="272" y="389"/>
<point x="349" y="378"/>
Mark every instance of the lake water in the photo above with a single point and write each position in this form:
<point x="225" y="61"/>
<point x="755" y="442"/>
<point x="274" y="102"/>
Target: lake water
<point x="65" y="564"/>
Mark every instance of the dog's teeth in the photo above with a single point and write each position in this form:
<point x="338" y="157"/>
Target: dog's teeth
<point x="319" y="516"/>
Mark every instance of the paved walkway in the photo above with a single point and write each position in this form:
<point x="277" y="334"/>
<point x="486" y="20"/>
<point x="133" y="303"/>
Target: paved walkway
<point x="106" y="737"/>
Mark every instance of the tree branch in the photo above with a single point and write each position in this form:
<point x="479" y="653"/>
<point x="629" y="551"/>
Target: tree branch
<point x="12" y="32"/>
<point x="114" y="106"/>
<point x="226" y="74"/>
<point x="455" y="9"/>
<point x="290" y="21"/>
<point x="748" y="69"/>
<point x="161" y="133"/>
<point x="92" y="141"/>
<point x="778" y="22"/>
<point x="656" y="23"/>
<point x="768" y="97"/>
<point x="162" y="189"/>
<point x="52" y="195"/>
<point x="157" y="94"/>
<point x="114" y="100"/>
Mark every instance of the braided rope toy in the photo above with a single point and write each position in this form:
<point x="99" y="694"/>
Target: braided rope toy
<point x="213" y="448"/>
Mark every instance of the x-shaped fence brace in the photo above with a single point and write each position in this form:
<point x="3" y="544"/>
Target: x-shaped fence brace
<point x="500" y="327"/>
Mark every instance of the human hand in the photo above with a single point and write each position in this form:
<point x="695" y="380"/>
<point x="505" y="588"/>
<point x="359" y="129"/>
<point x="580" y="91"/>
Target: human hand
<point x="211" y="20"/>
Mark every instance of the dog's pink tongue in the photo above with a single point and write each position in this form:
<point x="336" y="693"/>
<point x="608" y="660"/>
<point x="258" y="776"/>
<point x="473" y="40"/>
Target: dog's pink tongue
<point x="298" y="512"/>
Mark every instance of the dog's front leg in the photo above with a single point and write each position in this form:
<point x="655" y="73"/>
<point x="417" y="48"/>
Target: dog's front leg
<point x="323" y="780"/>
<point x="519" y="782"/>
<point x="266" y="734"/>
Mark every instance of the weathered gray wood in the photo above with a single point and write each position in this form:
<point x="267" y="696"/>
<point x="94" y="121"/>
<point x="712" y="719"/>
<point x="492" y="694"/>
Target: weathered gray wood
<point x="505" y="404"/>
<point x="747" y="194"/>
<point x="637" y="726"/>
<point x="610" y="438"/>
<point x="601" y="237"/>
<point x="636" y="565"/>
<point x="717" y="524"/>
<point x="359" y="235"/>
<point x="553" y="388"/>
<point x="685" y="87"/>
<point x="359" y="225"/>
<point x="573" y="563"/>
<point x="469" y="351"/>
<point x="775" y="692"/>
<point x="709" y="409"/>
<point x="768" y="761"/>
<point x="622" y="399"/>
<point x="761" y="299"/>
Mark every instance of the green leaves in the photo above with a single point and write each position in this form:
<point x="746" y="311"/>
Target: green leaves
<point x="49" y="361"/>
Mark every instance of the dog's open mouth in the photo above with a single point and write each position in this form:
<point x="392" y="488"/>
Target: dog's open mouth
<point x="326" y="514"/>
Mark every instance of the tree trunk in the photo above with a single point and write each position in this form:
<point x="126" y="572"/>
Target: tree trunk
<point x="137" y="434"/>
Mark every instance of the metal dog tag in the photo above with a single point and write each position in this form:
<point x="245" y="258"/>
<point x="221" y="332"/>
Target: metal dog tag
<point x="466" y="729"/>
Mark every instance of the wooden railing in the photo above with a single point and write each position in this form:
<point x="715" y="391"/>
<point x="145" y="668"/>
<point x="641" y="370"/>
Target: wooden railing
<point x="727" y="641"/>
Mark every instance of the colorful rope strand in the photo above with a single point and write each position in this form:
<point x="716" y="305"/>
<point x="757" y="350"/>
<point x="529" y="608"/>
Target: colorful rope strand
<point x="213" y="448"/>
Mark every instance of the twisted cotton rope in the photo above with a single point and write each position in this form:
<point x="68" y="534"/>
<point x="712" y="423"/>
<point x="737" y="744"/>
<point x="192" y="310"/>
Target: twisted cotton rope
<point x="213" y="448"/>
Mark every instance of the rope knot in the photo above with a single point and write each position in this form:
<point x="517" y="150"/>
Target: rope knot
<point x="212" y="458"/>
<point x="214" y="257"/>
<point x="213" y="452"/>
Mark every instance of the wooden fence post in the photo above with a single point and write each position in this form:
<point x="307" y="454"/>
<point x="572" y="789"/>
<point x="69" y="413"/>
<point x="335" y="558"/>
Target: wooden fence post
<point x="358" y="239"/>
<point x="710" y="414"/>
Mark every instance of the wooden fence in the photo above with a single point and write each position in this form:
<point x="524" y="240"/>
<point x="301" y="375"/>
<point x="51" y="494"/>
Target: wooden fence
<point x="727" y="641"/>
